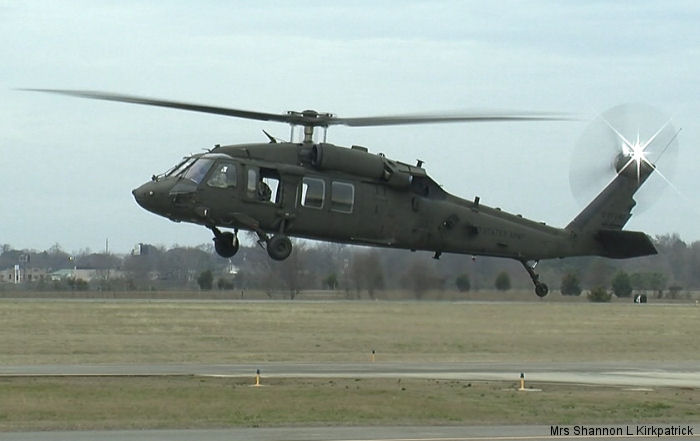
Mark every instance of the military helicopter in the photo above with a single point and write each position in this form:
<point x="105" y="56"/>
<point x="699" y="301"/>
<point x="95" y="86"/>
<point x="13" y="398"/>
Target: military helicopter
<point x="317" y="190"/>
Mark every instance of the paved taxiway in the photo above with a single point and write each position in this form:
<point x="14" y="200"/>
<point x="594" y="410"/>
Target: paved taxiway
<point x="643" y="374"/>
<point x="393" y="433"/>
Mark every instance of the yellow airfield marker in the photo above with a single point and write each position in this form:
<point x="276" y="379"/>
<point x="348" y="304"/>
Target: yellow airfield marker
<point x="522" y="385"/>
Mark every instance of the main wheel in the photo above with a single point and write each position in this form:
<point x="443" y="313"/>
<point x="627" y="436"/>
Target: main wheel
<point x="226" y="244"/>
<point x="279" y="247"/>
<point x="541" y="289"/>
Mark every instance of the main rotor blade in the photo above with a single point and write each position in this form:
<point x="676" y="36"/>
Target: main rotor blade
<point x="309" y="117"/>
<point x="392" y="120"/>
<point x="430" y="119"/>
<point x="106" y="96"/>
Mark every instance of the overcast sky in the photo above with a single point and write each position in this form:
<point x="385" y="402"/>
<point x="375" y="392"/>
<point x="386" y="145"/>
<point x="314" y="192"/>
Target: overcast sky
<point x="69" y="165"/>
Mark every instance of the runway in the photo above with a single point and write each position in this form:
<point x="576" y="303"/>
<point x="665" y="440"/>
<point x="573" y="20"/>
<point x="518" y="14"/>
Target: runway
<point x="391" y="433"/>
<point x="645" y="374"/>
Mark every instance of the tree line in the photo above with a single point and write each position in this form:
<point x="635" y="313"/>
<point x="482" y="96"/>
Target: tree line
<point x="360" y="271"/>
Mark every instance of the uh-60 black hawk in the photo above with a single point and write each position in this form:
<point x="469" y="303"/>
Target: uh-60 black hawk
<point x="321" y="191"/>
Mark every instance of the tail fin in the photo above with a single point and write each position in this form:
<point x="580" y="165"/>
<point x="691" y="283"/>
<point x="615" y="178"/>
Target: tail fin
<point x="603" y="219"/>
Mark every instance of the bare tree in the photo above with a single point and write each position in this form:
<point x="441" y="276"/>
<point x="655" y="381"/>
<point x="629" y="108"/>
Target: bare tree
<point x="293" y="270"/>
<point x="367" y="272"/>
<point x="421" y="277"/>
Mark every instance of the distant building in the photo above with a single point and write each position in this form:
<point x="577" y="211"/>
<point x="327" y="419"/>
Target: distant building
<point x="9" y="275"/>
<point x="62" y="274"/>
<point x="18" y="274"/>
<point x="141" y="249"/>
<point x="87" y="275"/>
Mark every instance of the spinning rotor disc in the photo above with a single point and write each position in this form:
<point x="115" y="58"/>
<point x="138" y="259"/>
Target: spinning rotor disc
<point x="311" y="118"/>
<point x="631" y="135"/>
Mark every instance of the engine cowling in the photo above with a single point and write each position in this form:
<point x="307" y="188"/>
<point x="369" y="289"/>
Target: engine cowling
<point x="358" y="161"/>
<point x="355" y="161"/>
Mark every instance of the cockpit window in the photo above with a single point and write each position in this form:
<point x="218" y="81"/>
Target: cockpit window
<point x="223" y="176"/>
<point x="180" y="167"/>
<point x="197" y="171"/>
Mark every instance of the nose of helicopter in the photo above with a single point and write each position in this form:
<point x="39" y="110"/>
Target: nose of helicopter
<point x="149" y="197"/>
<point x="142" y="194"/>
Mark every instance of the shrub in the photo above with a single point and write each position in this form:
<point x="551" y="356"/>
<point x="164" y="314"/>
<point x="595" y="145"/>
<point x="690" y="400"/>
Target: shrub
<point x="674" y="290"/>
<point x="224" y="284"/>
<point x="570" y="285"/>
<point x="502" y="281"/>
<point x="463" y="283"/>
<point x="205" y="280"/>
<point x="599" y="295"/>
<point x="622" y="284"/>
<point x="331" y="281"/>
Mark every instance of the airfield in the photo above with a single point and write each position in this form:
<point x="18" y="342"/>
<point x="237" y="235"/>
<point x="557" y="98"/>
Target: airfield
<point x="641" y="374"/>
<point x="450" y="369"/>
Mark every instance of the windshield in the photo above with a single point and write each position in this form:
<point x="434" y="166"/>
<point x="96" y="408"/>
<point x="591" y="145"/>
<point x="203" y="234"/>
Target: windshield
<point x="198" y="170"/>
<point x="177" y="169"/>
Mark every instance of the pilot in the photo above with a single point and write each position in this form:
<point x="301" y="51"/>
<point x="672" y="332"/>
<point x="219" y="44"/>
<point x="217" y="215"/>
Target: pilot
<point x="224" y="177"/>
<point x="218" y="180"/>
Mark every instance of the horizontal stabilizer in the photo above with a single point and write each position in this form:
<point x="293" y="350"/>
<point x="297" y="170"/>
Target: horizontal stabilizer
<point x="619" y="244"/>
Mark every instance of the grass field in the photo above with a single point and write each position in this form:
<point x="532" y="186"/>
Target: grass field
<point x="191" y="402"/>
<point x="89" y="332"/>
<point x="73" y="332"/>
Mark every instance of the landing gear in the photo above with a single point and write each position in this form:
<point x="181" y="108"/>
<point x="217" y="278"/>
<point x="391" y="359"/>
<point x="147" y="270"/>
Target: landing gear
<point x="541" y="289"/>
<point x="226" y="243"/>
<point x="279" y="247"/>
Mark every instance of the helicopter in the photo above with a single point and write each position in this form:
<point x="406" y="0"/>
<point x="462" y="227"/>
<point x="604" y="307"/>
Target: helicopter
<point x="317" y="190"/>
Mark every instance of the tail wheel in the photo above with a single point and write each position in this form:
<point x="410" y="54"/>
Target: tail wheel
<point x="541" y="289"/>
<point x="279" y="247"/>
<point x="226" y="244"/>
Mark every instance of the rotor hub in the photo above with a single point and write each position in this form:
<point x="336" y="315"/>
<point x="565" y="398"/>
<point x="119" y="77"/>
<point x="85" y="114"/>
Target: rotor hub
<point x="310" y="118"/>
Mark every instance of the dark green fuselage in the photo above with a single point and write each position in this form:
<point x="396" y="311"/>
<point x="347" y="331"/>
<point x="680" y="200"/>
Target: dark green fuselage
<point x="331" y="193"/>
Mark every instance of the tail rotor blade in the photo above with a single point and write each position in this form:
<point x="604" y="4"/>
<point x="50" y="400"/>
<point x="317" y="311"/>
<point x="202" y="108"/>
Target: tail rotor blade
<point x="630" y="134"/>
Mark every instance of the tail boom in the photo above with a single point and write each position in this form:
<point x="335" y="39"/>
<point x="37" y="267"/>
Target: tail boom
<point x="600" y="223"/>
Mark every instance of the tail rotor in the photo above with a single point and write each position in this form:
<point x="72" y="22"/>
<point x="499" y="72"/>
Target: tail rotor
<point x="634" y="139"/>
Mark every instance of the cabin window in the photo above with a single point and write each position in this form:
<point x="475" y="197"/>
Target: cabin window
<point x="312" y="191"/>
<point x="263" y="184"/>
<point x="269" y="185"/>
<point x="342" y="197"/>
<point x="223" y="176"/>
<point x="197" y="171"/>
